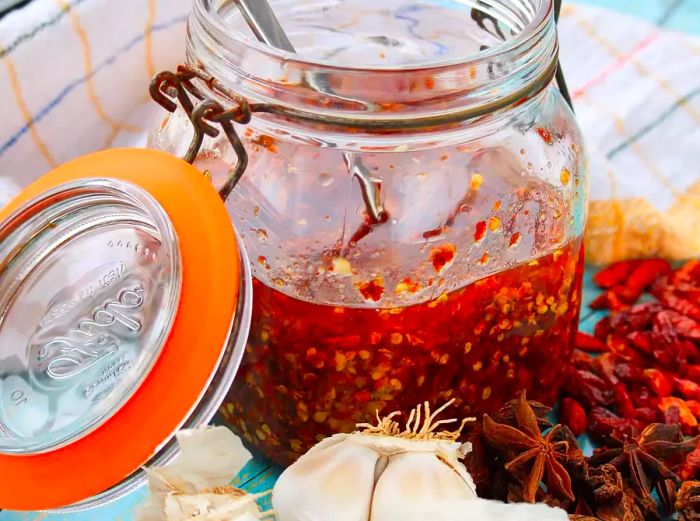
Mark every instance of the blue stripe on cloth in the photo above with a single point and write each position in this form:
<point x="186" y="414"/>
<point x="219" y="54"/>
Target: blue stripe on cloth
<point x="661" y="118"/>
<point x="55" y="102"/>
<point x="28" y="36"/>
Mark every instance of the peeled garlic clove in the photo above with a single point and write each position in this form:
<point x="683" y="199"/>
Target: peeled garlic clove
<point x="333" y="481"/>
<point x="485" y="510"/>
<point x="209" y="458"/>
<point x="418" y="479"/>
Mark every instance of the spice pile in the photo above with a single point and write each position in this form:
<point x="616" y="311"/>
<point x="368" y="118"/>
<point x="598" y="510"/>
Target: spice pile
<point x="633" y="387"/>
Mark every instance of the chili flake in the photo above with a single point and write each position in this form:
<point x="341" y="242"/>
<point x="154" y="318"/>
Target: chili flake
<point x="373" y="289"/>
<point x="442" y="255"/>
<point x="407" y="286"/>
<point x="480" y="232"/>
<point x="546" y="135"/>
<point x="515" y="240"/>
<point x="265" y="141"/>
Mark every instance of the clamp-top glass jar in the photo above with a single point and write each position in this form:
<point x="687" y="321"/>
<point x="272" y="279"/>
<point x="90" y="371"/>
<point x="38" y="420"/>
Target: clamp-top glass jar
<point x="413" y="208"/>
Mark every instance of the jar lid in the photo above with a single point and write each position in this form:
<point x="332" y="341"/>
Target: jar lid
<point x="120" y="284"/>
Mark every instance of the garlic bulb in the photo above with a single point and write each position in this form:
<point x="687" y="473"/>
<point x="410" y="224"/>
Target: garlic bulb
<point x="379" y="473"/>
<point x="195" y="487"/>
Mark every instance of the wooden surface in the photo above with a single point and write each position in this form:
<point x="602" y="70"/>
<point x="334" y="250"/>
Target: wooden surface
<point x="257" y="476"/>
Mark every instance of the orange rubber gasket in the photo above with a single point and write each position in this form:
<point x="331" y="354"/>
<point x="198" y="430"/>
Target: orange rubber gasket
<point x="210" y="284"/>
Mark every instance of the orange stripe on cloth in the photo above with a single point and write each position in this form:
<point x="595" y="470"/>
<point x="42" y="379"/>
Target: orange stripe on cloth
<point x="617" y="64"/>
<point x="80" y="31"/>
<point x="643" y="71"/>
<point x="26" y="114"/>
<point x="148" y="38"/>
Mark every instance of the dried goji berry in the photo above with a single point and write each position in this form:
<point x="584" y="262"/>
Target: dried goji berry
<point x="687" y="388"/>
<point x="692" y="372"/>
<point x="581" y="359"/>
<point x="589" y="343"/>
<point x="642" y="340"/>
<point x="689" y="272"/>
<point x="641" y="396"/>
<point x="684" y="326"/>
<point x="620" y="346"/>
<point x="687" y="419"/>
<point x="647" y="415"/>
<point x="660" y="286"/>
<point x="573" y="415"/>
<point x="690" y="291"/>
<point x="600" y="302"/>
<point x="602" y="423"/>
<point x="614" y="274"/>
<point x="588" y="387"/>
<point x="658" y="382"/>
<point x="681" y="305"/>
<point x="689" y="351"/>
<point x="668" y="350"/>
<point x="625" y="407"/>
<point x="635" y="317"/>
<point x="604" y="366"/>
<point x="645" y="273"/>
<point x="691" y="467"/>
<point x="629" y="373"/>
<point x="616" y="301"/>
<point x="694" y="407"/>
<point x="602" y="328"/>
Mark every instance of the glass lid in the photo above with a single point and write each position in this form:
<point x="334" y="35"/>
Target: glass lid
<point x="90" y="282"/>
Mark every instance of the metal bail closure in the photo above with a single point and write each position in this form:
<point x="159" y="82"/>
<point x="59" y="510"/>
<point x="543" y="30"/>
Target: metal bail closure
<point x="122" y="319"/>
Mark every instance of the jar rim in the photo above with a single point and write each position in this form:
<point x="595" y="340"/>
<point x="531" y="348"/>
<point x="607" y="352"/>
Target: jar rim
<point x="542" y="14"/>
<point x="378" y="99"/>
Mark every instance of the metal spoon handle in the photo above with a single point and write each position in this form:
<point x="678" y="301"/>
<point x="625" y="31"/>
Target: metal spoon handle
<point x="264" y="24"/>
<point x="262" y="20"/>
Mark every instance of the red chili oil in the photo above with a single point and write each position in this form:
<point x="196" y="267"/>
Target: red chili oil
<point x="312" y="370"/>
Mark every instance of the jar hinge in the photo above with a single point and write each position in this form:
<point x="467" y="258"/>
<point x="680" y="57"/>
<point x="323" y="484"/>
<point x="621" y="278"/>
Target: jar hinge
<point x="167" y="86"/>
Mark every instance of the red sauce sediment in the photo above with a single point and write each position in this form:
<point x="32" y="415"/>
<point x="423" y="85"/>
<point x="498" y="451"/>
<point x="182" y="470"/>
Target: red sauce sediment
<point x="312" y="370"/>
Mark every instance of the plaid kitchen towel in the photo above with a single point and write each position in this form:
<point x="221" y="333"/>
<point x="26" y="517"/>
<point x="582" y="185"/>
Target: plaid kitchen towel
<point x="74" y="76"/>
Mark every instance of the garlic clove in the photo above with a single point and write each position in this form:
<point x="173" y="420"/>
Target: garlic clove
<point x="483" y="510"/>
<point x="333" y="481"/>
<point x="418" y="479"/>
<point x="209" y="458"/>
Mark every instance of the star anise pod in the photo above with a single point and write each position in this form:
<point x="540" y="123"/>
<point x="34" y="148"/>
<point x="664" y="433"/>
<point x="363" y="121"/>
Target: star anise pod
<point x="611" y="502"/>
<point x="666" y="490"/>
<point x="688" y="501"/>
<point x="506" y="414"/>
<point x="526" y="445"/>
<point x="644" y="460"/>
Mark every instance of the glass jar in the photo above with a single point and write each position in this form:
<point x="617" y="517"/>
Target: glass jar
<point x="412" y="207"/>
